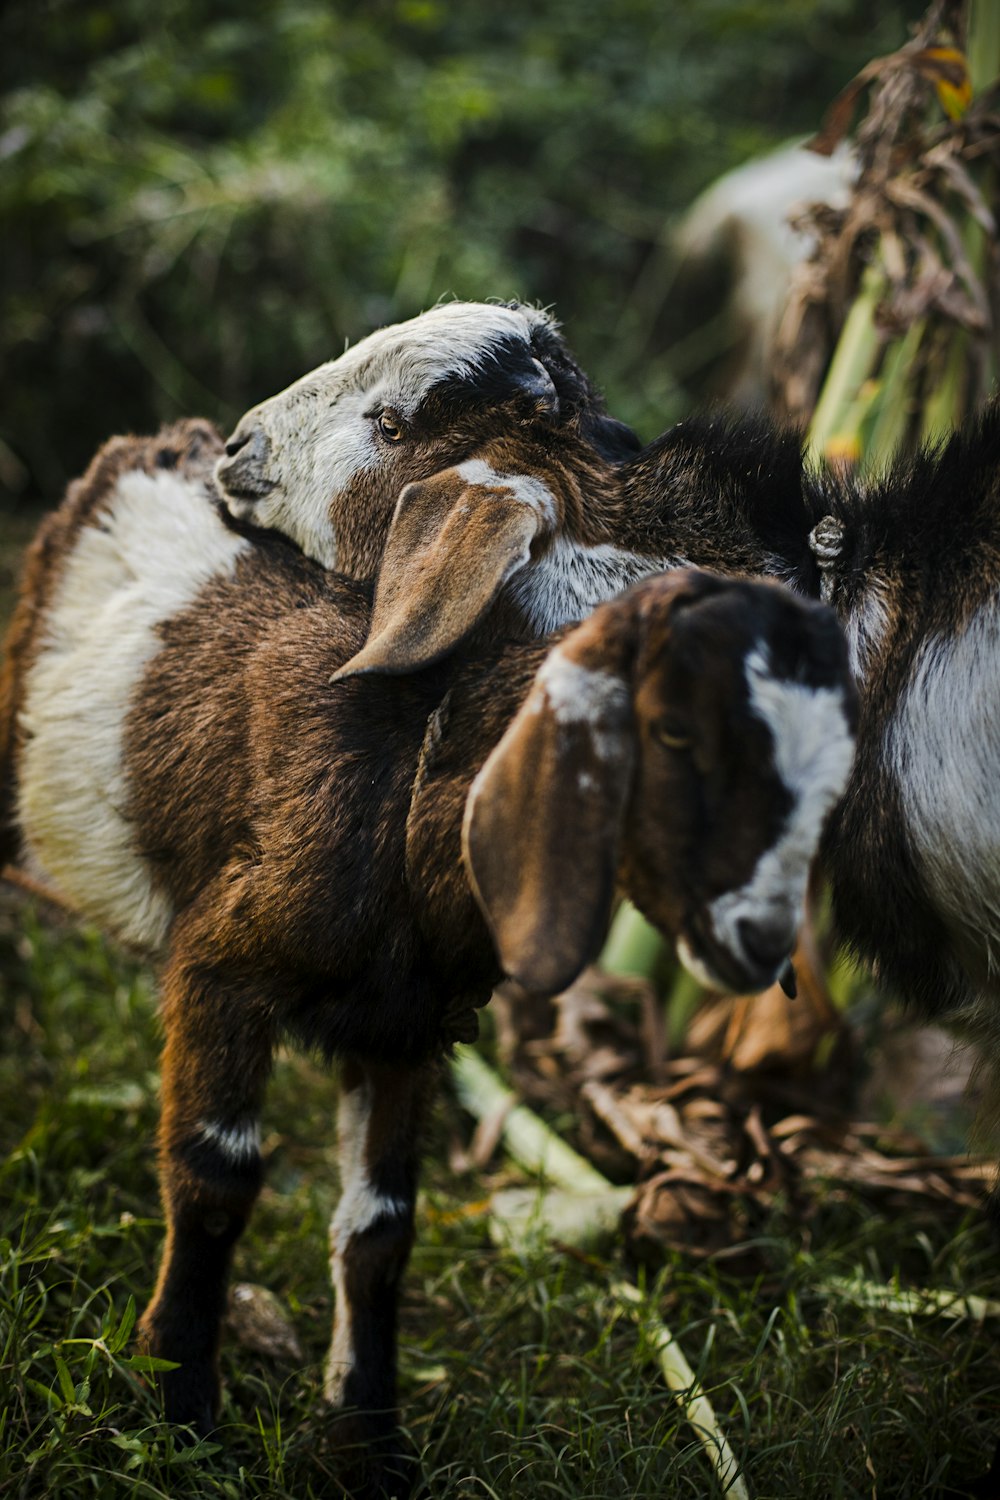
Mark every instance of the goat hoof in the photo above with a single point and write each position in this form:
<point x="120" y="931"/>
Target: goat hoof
<point x="371" y="1463"/>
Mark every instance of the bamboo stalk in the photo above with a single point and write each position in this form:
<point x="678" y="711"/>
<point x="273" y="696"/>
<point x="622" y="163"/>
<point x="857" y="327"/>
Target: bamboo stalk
<point x="927" y="1301"/>
<point x="633" y="946"/>
<point x="528" y="1139"/>
<point x="854" y="360"/>
<point x="684" y="1383"/>
<point x="531" y="1143"/>
<point x="896" y="397"/>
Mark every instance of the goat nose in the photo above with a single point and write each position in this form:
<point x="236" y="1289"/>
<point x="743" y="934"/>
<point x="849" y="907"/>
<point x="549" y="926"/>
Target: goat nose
<point x="766" y="945"/>
<point x="253" y="446"/>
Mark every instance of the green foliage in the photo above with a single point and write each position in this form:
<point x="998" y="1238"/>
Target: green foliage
<point x="202" y="200"/>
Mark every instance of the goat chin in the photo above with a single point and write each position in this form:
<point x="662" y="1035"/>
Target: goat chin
<point x="342" y="861"/>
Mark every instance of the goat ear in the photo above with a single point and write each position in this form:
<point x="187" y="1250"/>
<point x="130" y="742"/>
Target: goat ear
<point x="544" y="817"/>
<point x="454" y="541"/>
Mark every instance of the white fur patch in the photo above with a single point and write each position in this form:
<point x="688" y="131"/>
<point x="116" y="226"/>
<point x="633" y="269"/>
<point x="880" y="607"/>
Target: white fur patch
<point x="865" y="628"/>
<point x="813" y="751"/>
<point x="321" y="429"/>
<point x="360" y="1207"/>
<point x="157" y="541"/>
<point x="570" y="581"/>
<point x="576" y="695"/>
<point x="239" y="1143"/>
<point x="527" y="489"/>
<point x="944" y="749"/>
<point x="696" y="967"/>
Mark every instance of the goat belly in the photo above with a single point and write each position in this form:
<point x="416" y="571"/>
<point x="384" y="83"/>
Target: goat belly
<point x="379" y="1016"/>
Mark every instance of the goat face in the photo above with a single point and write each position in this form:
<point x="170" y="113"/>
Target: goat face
<point x="325" y="461"/>
<point x="745" y="714"/>
<point x="688" y="738"/>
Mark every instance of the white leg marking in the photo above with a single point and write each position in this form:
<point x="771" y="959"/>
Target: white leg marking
<point x="866" y="627"/>
<point x="240" y="1143"/>
<point x="359" y="1208"/>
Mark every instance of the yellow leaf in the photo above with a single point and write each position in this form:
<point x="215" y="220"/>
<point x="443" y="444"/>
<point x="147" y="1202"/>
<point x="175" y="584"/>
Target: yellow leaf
<point x="948" y="70"/>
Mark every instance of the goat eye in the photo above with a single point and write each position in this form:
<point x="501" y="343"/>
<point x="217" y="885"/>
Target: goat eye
<point x="389" y="426"/>
<point x="671" y="737"/>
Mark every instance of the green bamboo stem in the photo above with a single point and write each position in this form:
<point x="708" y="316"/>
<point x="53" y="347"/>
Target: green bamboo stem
<point x="947" y="399"/>
<point x="982" y="47"/>
<point x="633" y="946"/>
<point x="853" y="362"/>
<point x="896" y="397"/>
<point x="912" y="1301"/>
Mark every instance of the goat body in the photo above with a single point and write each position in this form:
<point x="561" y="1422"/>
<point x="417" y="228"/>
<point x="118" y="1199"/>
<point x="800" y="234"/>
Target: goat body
<point x="200" y="759"/>
<point x="913" y="850"/>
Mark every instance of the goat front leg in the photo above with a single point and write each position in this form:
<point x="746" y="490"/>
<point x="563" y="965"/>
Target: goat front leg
<point x="216" y="1061"/>
<point x="379" y="1122"/>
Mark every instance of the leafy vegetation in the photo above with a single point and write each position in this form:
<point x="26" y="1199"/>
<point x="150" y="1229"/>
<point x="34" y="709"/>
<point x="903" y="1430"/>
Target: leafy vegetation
<point x="203" y="200"/>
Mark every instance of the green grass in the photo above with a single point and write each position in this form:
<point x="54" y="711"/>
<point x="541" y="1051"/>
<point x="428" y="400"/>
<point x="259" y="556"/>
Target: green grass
<point x="521" y="1376"/>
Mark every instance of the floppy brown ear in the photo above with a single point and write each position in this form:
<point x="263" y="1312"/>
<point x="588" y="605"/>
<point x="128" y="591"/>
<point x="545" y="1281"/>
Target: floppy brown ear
<point x="454" y="541"/>
<point x="544" y="817"/>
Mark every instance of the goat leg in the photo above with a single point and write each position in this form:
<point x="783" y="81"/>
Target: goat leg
<point x="378" y="1130"/>
<point x="215" y="1066"/>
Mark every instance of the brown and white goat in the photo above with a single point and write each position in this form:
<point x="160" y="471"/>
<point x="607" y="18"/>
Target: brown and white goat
<point x="908" y="562"/>
<point x="199" y="758"/>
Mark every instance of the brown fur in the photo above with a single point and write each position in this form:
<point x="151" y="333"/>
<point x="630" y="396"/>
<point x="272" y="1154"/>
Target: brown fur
<point x="307" y="832"/>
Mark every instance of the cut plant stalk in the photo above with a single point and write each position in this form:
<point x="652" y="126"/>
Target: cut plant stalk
<point x="834" y="433"/>
<point x="684" y="1383"/>
<point x="537" y="1148"/>
<point x="913" y="1301"/>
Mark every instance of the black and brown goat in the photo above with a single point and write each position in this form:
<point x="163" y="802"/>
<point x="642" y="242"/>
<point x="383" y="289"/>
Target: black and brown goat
<point x="908" y="561"/>
<point x="199" y="758"/>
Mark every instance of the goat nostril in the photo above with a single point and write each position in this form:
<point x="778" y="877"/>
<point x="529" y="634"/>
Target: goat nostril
<point x="766" y="947"/>
<point x="236" y="443"/>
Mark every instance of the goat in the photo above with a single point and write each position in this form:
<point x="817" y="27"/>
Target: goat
<point x="199" y="758"/>
<point x="404" y="403"/>
<point x="907" y="562"/>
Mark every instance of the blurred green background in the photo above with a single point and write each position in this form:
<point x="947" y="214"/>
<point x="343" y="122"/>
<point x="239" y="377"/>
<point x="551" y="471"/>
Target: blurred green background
<point x="201" y="200"/>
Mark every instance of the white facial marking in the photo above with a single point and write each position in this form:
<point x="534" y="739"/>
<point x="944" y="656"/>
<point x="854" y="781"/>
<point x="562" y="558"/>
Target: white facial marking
<point x="359" y="1208"/>
<point x="240" y="1143"/>
<point x="944" y="749"/>
<point x="695" y="967"/>
<point x="157" y="542"/>
<point x="528" y="489"/>
<point x="813" y="751"/>
<point x="570" y="581"/>
<point x="579" y="696"/>
<point x="321" y="430"/>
